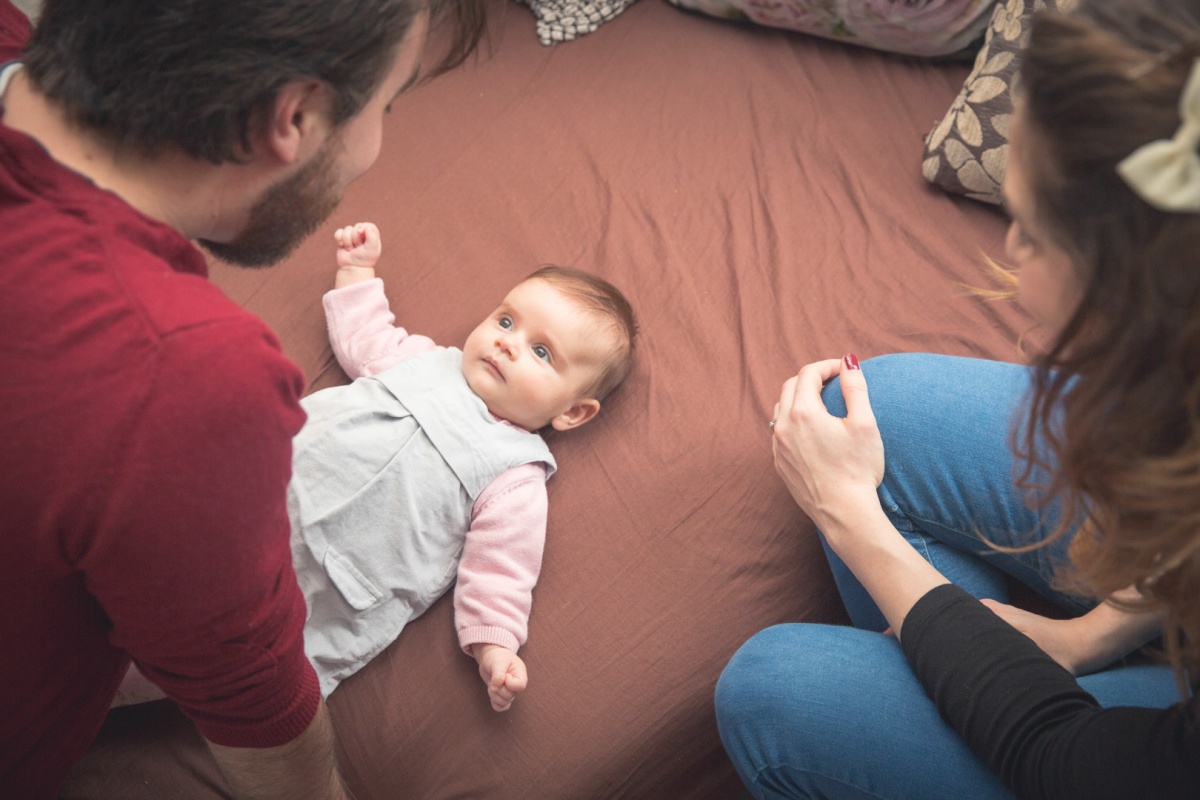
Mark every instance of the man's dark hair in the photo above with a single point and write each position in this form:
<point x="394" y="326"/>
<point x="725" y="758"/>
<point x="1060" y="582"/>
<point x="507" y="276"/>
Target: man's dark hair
<point x="200" y="74"/>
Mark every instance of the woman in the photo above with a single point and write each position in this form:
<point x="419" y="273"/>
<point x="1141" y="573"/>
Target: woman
<point x="980" y="700"/>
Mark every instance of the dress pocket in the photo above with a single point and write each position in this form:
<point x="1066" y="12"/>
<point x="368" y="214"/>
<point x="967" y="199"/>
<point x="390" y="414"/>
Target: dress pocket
<point x="355" y="588"/>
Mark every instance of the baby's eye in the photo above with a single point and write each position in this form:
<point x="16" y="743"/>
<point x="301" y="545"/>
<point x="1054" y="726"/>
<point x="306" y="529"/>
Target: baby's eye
<point x="541" y="352"/>
<point x="505" y="322"/>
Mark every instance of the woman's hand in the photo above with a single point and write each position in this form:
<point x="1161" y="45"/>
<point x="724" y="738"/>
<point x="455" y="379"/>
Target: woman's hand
<point x="831" y="466"/>
<point x="1088" y="643"/>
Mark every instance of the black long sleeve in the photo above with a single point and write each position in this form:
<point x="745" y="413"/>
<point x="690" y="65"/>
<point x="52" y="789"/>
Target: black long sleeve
<point x="1030" y="721"/>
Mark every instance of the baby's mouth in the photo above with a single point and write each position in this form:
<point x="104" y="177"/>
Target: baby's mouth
<point x="493" y="366"/>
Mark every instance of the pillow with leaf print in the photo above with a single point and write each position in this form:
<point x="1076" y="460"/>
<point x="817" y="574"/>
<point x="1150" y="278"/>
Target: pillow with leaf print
<point x="967" y="151"/>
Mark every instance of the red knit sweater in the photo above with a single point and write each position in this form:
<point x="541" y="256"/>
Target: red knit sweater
<point x="145" y="446"/>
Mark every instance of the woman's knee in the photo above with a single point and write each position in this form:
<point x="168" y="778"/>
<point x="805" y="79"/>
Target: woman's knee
<point x="906" y="382"/>
<point x="743" y="684"/>
<point x="782" y="669"/>
<point x="809" y="710"/>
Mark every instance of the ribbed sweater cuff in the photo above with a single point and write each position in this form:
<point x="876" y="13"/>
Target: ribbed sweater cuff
<point x="486" y="634"/>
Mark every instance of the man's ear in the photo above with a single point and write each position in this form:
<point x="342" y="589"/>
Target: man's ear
<point x="576" y="415"/>
<point x="299" y="121"/>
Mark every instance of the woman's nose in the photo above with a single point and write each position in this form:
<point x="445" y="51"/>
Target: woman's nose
<point x="1011" y="241"/>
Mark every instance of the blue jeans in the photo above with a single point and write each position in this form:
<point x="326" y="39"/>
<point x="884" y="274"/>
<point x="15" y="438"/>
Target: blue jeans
<point x="816" y="711"/>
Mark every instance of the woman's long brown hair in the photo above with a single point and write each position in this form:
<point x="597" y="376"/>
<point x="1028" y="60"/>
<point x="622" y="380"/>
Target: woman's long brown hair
<point x="1116" y="401"/>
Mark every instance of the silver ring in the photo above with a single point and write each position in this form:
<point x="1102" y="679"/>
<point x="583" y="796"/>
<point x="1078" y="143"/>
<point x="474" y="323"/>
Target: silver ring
<point x="771" y="424"/>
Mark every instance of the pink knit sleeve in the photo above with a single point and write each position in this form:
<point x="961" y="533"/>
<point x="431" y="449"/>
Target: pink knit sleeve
<point x="501" y="560"/>
<point x="362" y="330"/>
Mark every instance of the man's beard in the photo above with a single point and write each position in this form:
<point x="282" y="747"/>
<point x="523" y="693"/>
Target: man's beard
<point x="285" y="216"/>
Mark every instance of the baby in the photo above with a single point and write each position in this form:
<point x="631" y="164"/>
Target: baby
<point x="429" y="467"/>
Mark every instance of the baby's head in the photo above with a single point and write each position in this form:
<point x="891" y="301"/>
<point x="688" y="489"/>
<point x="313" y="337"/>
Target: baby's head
<point x="554" y="348"/>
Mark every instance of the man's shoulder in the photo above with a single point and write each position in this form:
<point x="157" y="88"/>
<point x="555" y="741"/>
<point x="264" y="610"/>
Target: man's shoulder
<point x="118" y="308"/>
<point x="15" y="30"/>
<point x="109" y="262"/>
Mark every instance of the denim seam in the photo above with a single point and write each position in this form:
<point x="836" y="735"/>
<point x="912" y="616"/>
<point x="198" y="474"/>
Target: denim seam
<point x="984" y="549"/>
<point x="1027" y="574"/>
<point x="758" y="774"/>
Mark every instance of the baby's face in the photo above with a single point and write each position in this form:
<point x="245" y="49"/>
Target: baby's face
<point x="533" y="356"/>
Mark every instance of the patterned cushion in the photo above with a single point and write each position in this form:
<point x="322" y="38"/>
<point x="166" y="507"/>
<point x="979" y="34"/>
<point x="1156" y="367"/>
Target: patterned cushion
<point x="927" y="28"/>
<point x="564" y="20"/>
<point x="966" y="152"/>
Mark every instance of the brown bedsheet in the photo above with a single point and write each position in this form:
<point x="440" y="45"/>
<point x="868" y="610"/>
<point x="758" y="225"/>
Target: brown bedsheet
<point x="758" y="196"/>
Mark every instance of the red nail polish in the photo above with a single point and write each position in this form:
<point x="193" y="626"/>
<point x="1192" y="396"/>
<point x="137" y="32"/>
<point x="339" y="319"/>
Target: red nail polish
<point x="851" y="361"/>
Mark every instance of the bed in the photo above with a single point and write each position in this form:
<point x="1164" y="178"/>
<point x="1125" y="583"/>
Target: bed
<point x="758" y="195"/>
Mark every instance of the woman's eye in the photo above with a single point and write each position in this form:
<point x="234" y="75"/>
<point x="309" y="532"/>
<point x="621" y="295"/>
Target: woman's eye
<point x="541" y="352"/>
<point x="506" y="323"/>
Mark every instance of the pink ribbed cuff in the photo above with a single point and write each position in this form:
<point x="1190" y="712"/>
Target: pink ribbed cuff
<point x="486" y="634"/>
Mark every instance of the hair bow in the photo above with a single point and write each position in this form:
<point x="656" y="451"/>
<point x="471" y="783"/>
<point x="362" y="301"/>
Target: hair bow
<point x="1166" y="173"/>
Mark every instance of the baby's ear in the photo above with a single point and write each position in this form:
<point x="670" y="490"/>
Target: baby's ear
<point x="576" y="415"/>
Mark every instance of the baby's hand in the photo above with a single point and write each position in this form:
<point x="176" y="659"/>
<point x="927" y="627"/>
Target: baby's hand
<point x="359" y="247"/>
<point x="503" y="671"/>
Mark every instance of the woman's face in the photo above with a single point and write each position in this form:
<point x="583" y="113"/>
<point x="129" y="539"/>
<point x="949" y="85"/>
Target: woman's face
<point x="1049" y="285"/>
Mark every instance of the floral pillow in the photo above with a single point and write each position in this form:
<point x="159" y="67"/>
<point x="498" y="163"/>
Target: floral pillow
<point x="967" y="151"/>
<point x="929" y="28"/>
<point x="564" y="20"/>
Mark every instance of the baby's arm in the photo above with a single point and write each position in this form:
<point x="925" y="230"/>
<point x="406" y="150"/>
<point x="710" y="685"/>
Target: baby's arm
<point x="501" y="560"/>
<point x="359" y="247"/>
<point x="362" y="329"/>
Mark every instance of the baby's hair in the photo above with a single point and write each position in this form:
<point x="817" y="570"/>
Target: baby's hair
<point x="604" y="300"/>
